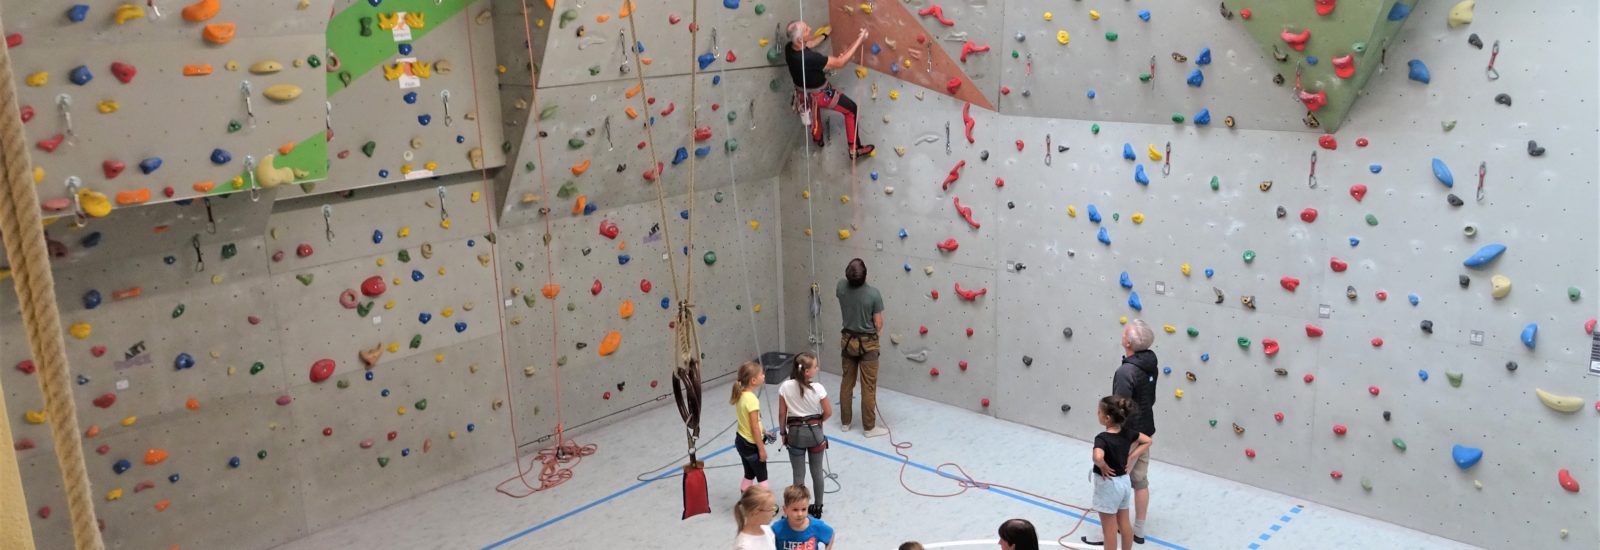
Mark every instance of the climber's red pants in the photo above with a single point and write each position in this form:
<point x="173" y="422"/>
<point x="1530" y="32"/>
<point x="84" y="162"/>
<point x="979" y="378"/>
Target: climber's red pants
<point x="827" y="97"/>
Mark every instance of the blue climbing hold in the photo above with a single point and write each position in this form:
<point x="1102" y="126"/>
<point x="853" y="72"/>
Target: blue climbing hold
<point x="461" y="326"/>
<point x="716" y="80"/>
<point x="410" y="98"/>
<point x="150" y="165"/>
<point x="1133" y="301"/>
<point x="1205" y="358"/>
<point x="1530" y="335"/>
<point x="874" y="175"/>
<point x="92" y="299"/>
<point x="1484" y="255"/>
<point x="730" y="4"/>
<point x="1311" y="60"/>
<point x="1094" y="214"/>
<point x="681" y="155"/>
<point x="1418" y="71"/>
<point x="907" y="266"/>
<point x="590" y="208"/>
<point x="1103" y="236"/>
<point x="424" y="317"/>
<point x="377" y="236"/>
<point x="1139" y="175"/>
<point x="374" y="3"/>
<point x="77" y="13"/>
<point x="1204" y="58"/>
<point x="416" y="275"/>
<point x="1375" y="168"/>
<point x="1210" y="272"/>
<point x="1413" y="298"/>
<point x="383" y="173"/>
<point x="121" y="466"/>
<point x="702" y="152"/>
<point x="638" y="47"/>
<point x="172" y="478"/>
<point x="1354" y="241"/>
<point x="666" y="302"/>
<point x="1203" y="117"/>
<point x="685" y="215"/>
<point x="903" y="233"/>
<point x="1091" y="94"/>
<point x="1466" y="457"/>
<point x="405" y="49"/>
<point x="369" y="376"/>
<point x="894" y="69"/>
<point x="405" y="452"/>
<point x="472" y="428"/>
<point x="1196" y="78"/>
<point x="1166" y="370"/>
<point x="1125" y="280"/>
<point x="92" y="240"/>
<point x="471" y="243"/>
<point x="1144" y="15"/>
<point x="219" y="156"/>
<point x="424" y="119"/>
<point x="1399" y="11"/>
<point x="623" y="259"/>
<point x="876" y="49"/>
<point x="384" y="393"/>
<point x="184" y="361"/>
<point x="1423" y="375"/>
<point x="233" y="462"/>
<point x="1442" y="173"/>
<point x="706" y="59"/>
<point x="1127" y="152"/>
<point x="461" y="138"/>
<point x="701" y="319"/>
<point x="169" y="260"/>
<point x="80" y="75"/>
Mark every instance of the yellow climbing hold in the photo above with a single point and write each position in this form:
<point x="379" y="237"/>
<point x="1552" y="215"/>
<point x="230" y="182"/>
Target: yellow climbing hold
<point x="1154" y="154"/>
<point x="844" y="199"/>
<point x="1184" y="268"/>
<point x="861" y="72"/>
<point x="80" y="330"/>
<point x="282" y="92"/>
<point x="894" y="94"/>
<point x="1461" y="13"/>
<point x="388" y="305"/>
<point x="1500" y="286"/>
<point x="405" y="232"/>
<point x="763" y="42"/>
<point x="438" y="357"/>
<point x="94" y="203"/>
<point x="1138" y="218"/>
<point x="1049" y="16"/>
<point x="394" y="347"/>
<point x="1063" y="37"/>
<point x="445" y="223"/>
<point x="129" y="421"/>
<point x="1178" y="393"/>
<point x="38" y="79"/>
<point x="270" y="176"/>
<point x="476" y="195"/>
<point x="34" y="417"/>
<point x="1072" y="211"/>
<point x="381" y="261"/>
<point x="108" y="106"/>
<point x="441" y="271"/>
<point x="844" y="234"/>
<point x="114" y="494"/>
<point x="1123" y="320"/>
<point x="757" y="308"/>
<point x="266" y="67"/>
<point x="447" y="312"/>
<point x="808" y="232"/>
<point x="805" y="194"/>
<point x="38" y="174"/>
<point x="1095" y="15"/>
<point x="1169" y="329"/>
<point x="126" y="12"/>
<point x="1560" y="403"/>
<point x="755" y="225"/>
<point x="400" y="410"/>
<point x="452" y="434"/>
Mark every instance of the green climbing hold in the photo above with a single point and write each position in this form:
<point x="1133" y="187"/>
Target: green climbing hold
<point x="366" y="26"/>
<point x="572" y="307"/>
<point x="732" y="116"/>
<point x="229" y="251"/>
<point x="343" y="383"/>
<point x="1372" y="220"/>
<point x="1144" y="77"/>
<point x="421" y="405"/>
<point x="761" y="9"/>
<point x="1116" y="217"/>
<point x="305" y="278"/>
<point x="1094" y="129"/>
<point x="561" y="361"/>
<point x="368" y="147"/>
<point x="567" y="17"/>
<point x="1359" y="47"/>
<point x="527" y="300"/>
<point x="505" y="147"/>
<point x="178" y="311"/>
<point x="416" y="341"/>
<point x="528" y="167"/>
<point x="1177" y="117"/>
<point x="1111" y="36"/>
<point x="1455" y="378"/>
<point x="738" y="307"/>
<point x="1213" y="422"/>
<point x="383" y="462"/>
<point x="1366" y="484"/>
<point x="574" y="143"/>
<point x="1015" y="55"/>
<point x="1573" y="293"/>
<point x="404" y="256"/>
<point x="1400" y="444"/>
<point x="519" y="265"/>
<point x="257" y="367"/>
<point x="1215" y="183"/>
<point x="1249" y="256"/>
<point x="364" y="309"/>
<point x="345" y="77"/>
<point x="567" y="190"/>
<point x="772" y="55"/>
<point x="710" y="257"/>
<point x="1193" y="332"/>
<point x="261" y="455"/>
<point x="731" y="145"/>
<point x="717" y="197"/>
<point x="313" y="61"/>
<point x="1244" y="342"/>
<point x="234" y="126"/>
<point x="773" y="84"/>
<point x="594" y="70"/>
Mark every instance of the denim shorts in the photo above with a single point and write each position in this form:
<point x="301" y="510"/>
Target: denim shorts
<point x="1111" y="495"/>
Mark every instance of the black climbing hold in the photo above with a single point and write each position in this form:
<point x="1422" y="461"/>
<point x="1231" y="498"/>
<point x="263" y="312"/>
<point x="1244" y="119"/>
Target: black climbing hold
<point x="1427" y="326"/>
<point x="1464" y="280"/>
<point x="1534" y="150"/>
<point x="1066" y="408"/>
<point x="1282" y="212"/>
<point x="983" y="155"/>
<point x="1453" y="200"/>
<point x="1011" y="204"/>
<point x="586" y="251"/>
<point x="1062" y="148"/>
<point x="1277" y="79"/>
<point x="1503" y="99"/>
<point x="582" y="345"/>
<point x="543" y="134"/>
<point x="1475" y="41"/>
<point x="621" y="385"/>
<point x="1511" y="366"/>
<point x="1067" y="332"/>
<point x="1385" y="416"/>
<point x="91" y="240"/>
<point x="1027" y="361"/>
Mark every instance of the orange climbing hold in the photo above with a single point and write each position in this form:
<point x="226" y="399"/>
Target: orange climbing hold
<point x="633" y="91"/>
<point x="136" y="196"/>
<point x="205" y="186"/>
<point x="626" y="310"/>
<point x="609" y="344"/>
<point x="126" y="293"/>
<point x="192" y="404"/>
<point x="286" y="148"/>
<point x="153" y="457"/>
<point x="196" y="70"/>
<point x="632" y="114"/>
<point x="219" y="33"/>
<point x="580" y="204"/>
<point x="627" y="8"/>
<point x="202" y="11"/>
<point x="550" y="290"/>
<point x="162" y="506"/>
<point x="579" y="168"/>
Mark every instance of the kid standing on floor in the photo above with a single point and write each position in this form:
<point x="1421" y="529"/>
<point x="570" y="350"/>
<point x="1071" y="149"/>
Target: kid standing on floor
<point x="798" y="531"/>
<point x="750" y="442"/>
<point x="753" y="512"/>
<point x="1114" y="450"/>
<point x="803" y="405"/>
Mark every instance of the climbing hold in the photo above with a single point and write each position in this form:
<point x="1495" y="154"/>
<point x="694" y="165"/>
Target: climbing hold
<point x="1503" y="99"/>
<point x="1560" y="403"/>
<point x="183" y="361"/>
<point x="218" y="33"/>
<point x="1344" y="66"/>
<point x="1358" y="191"/>
<point x="1422" y="375"/>
<point x="1442" y="173"/>
<point x="1139" y="175"/>
<point x="1289" y="283"/>
<point x="80" y="75"/>
<point x="1568" y="483"/>
<point x="1488" y="253"/>
<point x="1534" y="150"/>
<point x="1399" y="444"/>
<point x="1418" y="71"/>
<point x="1248" y="452"/>
<point x="1499" y="286"/>
<point x="1460" y="14"/>
<point x="1133" y="302"/>
<point x="1427" y="326"/>
<point x="1530" y="335"/>
<point x="119" y="467"/>
<point x="1455" y="378"/>
<point x="1103" y="236"/>
<point x="1196" y="78"/>
<point x="321" y="370"/>
<point x="1249" y="256"/>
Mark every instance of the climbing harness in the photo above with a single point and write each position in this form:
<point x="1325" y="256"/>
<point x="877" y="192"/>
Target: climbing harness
<point x="1494" y="52"/>
<point x="1311" y="180"/>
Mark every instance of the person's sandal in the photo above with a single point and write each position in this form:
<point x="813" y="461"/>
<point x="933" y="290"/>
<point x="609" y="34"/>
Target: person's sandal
<point x="1090" y="542"/>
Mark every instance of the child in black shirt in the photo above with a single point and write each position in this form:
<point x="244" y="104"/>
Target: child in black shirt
<point x="1114" y="450"/>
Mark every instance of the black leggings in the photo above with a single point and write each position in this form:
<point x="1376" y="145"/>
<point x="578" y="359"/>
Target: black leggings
<point x="750" y="456"/>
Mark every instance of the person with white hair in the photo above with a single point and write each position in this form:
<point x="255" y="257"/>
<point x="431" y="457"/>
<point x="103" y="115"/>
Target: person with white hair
<point x="1136" y="379"/>
<point x="809" y="69"/>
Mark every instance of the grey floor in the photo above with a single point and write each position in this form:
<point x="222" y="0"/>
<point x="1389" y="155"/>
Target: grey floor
<point x="604" y="506"/>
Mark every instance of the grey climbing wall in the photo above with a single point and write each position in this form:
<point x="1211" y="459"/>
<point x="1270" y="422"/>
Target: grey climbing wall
<point x="131" y="97"/>
<point x="1542" y="208"/>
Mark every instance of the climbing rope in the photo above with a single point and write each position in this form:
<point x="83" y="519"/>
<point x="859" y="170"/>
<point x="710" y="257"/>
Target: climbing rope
<point x="23" y="232"/>
<point x="815" y="337"/>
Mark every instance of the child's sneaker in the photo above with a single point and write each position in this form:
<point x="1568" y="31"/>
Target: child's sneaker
<point x="879" y="431"/>
<point x="815" y="510"/>
<point x="862" y="151"/>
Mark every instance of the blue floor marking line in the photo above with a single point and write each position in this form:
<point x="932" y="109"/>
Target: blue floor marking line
<point x="1276" y="527"/>
<point x="581" y="509"/>
<point x="1063" y="511"/>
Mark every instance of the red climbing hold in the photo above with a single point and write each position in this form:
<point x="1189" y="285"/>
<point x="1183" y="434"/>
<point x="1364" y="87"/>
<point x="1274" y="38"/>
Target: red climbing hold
<point x="1372" y="390"/>
<point x="937" y="13"/>
<point x="1339" y="429"/>
<point x="1278" y="416"/>
<point x="1567" y="481"/>
<point x="922" y="329"/>
<point x="999" y="182"/>
<point x="1297" y="41"/>
<point x="322" y="370"/>
<point x="670" y="108"/>
<point x="327" y="432"/>
<point x="49" y="145"/>
<point x="955" y="174"/>
<point x="97" y="351"/>
<point x="644" y="285"/>
<point x="1269" y="346"/>
<point x="1361" y="142"/>
<point x="651" y="174"/>
<point x="594" y="289"/>
<point x="1019" y="146"/>
<point x="44" y="512"/>
<point x="985" y="403"/>
<point x="969" y="332"/>
<point x="953" y="84"/>
<point x="27" y="113"/>
<point x="1344" y="66"/>
<point x="970" y="295"/>
<point x="373" y="286"/>
<point x="702" y="133"/>
<point x="968" y="121"/>
<point x="731" y="58"/>
<point x="103" y="449"/>
<point x="1308" y="215"/>
<point x="1337" y="265"/>
<point x="1358" y="191"/>
<point x="653" y="383"/>
<point x="1336" y="475"/>
<point x="1249" y="452"/>
<point x="1325" y="7"/>
<point x="966" y="213"/>
<point x="969" y="48"/>
<point x="963" y="365"/>
<point x="106" y="400"/>
<point x="934" y="294"/>
<point x="1588" y="328"/>
<point x="1245" y="13"/>
<point x="27" y="366"/>
<point x="123" y="71"/>
<point x="1005" y="90"/>
<point x="112" y="168"/>
<point x="1382" y="295"/>
<point x="609" y="229"/>
<point x="24" y="444"/>
<point x="393" y="435"/>
<point x="1289" y="283"/>
<point x="606" y="396"/>
<point x="13" y="40"/>
<point x="1377" y="342"/>
<point x="1314" y="101"/>
<point x="1328" y="142"/>
<point x="949" y="245"/>
<point x="934" y="371"/>
<point x="304" y="250"/>
<point x="1313" y="331"/>
<point x="1308" y="378"/>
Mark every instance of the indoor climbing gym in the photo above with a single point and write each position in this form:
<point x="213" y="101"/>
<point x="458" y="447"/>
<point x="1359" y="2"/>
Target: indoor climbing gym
<point x="799" y="274"/>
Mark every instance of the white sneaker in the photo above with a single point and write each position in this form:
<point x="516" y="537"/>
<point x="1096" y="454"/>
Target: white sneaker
<point x="879" y="431"/>
<point x="844" y="427"/>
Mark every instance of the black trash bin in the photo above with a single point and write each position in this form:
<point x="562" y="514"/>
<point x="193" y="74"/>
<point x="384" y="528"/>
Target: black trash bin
<point x="778" y="365"/>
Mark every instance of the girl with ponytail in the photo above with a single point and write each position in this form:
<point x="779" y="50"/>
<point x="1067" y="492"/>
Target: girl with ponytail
<point x="750" y="441"/>
<point x="1114" y="450"/>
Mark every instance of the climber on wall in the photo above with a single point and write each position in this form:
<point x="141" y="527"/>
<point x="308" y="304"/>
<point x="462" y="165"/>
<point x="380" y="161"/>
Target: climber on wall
<point x="1136" y="379"/>
<point x="861" y="307"/>
<point x="812" y="92"/>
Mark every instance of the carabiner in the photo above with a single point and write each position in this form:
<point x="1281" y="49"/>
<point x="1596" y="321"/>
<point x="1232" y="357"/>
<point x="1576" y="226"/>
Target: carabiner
<point x="1490" y="71"/>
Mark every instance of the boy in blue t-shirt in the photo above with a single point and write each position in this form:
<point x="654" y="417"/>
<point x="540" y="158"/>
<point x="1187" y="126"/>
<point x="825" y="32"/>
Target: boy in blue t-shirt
<point x="799" y="531"/>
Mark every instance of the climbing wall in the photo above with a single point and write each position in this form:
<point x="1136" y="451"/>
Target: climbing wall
<point x="1348" y="281"/>
<point x="253" y="68"/>
<point x="410" y="98"/>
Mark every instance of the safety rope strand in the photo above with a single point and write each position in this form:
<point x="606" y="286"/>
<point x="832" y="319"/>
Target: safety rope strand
<point x="23" y="232"/>
<point x="655" y="164"/>
<point x="738" y="211"/>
